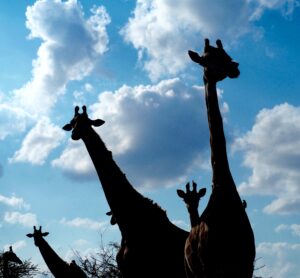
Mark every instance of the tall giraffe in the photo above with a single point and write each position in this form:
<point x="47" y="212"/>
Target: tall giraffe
<point x="154" y="246"/>
<point x="58" y="267"/>
<point x="225" y="241"/>
<point x="7" y="258"/>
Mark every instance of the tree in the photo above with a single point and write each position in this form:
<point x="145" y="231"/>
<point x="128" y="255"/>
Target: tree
<point x="26" y="269"/>
<point x="102" y="264"/>
<point x="256" y="268"/>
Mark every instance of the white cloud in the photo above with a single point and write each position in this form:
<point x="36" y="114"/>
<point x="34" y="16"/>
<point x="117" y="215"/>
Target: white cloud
<point x="88" y="87"/>
<point x="182" y="224"/>
<point x="16" y="246"/>
<point x="12" y="119"/>
<point x="80" y="96"/>
<point x="39" y="142"/>
<point x="75" y="162"/>
<point x="24" y="219"/>
<point x="157" y="133"/>
<point x="272" y="152"/>
<point x="163" y="30"/>
<point x="14" y="202"/>
<point x="280" y="259"/>
<point x="70" y="47"/>
<point x="85" y="223"/>
<point x="81" y="242"/>
<point x="286" y="7"/>
<point x="294" y="229"/>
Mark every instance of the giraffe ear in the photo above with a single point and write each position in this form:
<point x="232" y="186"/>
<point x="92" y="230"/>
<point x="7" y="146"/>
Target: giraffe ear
<point x="29" y="235"/>
<point x="97" y="122"/>
<point x="195" y="57"/>
<point x="45" y="234"/>
<point x="67" y="127"/>
<point x="180" y="193"/>
<point x="202" y="192"/>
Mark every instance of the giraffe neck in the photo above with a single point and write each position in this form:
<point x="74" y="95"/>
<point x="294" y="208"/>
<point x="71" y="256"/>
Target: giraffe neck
<point x="194" y="217"/>
<point x="122" y="198"/>
<point x="219" y="161"/>
<point x="58" y="267"/>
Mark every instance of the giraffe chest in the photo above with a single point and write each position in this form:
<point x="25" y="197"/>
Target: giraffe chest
<point x="195" y="248"/>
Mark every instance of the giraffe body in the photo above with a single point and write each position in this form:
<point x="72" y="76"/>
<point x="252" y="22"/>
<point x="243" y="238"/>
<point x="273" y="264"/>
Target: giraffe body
<point x="58" y="267"/>
<point x="7" y="258"/>
<point x="151" y="245"/>
<point x="222" y="243"/>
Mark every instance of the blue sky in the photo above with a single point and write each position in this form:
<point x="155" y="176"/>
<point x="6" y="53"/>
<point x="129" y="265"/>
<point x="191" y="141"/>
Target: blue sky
<point x="127" y="61"/>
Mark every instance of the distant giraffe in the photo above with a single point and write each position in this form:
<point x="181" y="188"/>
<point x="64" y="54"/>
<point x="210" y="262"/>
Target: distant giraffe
<point x="7" y="258"/>
<point x="225" y="241"/>
<point x="193" y="242"/>
<point x="58" y="267"/>
<point x="154" y="246"/>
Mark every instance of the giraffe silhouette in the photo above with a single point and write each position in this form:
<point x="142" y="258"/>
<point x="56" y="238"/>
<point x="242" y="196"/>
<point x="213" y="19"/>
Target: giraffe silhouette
<point x="191" y="199"/>
<point x="154" y="246"/>
<point x="7" y="258"/>
<point x="224" y="240"/>
<point x="58" y="267"/>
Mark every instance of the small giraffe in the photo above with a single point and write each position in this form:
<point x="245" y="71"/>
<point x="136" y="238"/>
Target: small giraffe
<point x="58" y="267"/>
<point x="154" y="245"/>
<point x="224" y="238"/>
<point x="196" y="239"/>
<point x="7" y="258"/>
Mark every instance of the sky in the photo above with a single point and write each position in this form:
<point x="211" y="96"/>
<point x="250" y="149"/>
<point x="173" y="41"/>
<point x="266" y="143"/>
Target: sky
<point x="127" y="62"/>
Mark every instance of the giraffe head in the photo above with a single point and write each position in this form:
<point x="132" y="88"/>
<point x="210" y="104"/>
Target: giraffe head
<point x="37" y="235"/>
<point x="113" y="220"/>
<point x="10" y="256"/>
<point x="216" y="62"/>
<point x="191" y="197"/>
<point x="81" y="123"/>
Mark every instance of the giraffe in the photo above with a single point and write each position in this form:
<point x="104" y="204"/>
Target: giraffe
<point x="7" y="258"/>
<point x="58" y="267"/>
<point x="154" y="246"/>
<point x="224" y="239"/>
<point x="191" y="199"/>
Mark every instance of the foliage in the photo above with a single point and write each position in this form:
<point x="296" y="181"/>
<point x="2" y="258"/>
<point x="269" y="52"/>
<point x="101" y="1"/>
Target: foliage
<point x="27" y="269"/>
<point x="102" y="264"/>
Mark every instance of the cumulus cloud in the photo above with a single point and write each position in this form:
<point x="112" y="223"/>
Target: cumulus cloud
<point x="157" y="133"/>
<point x="294" y="229"/>
<point x="163" y="30"/>
<point x="67" y="52"/>
<point x="279" y="258"/>
<point x="71" y="46"/>
<point x="14" y="202"/>
<point x="272" y="152"/>
<point x="39" y="142"/>
<point x="13" y="119"/>
<point x="85" y="223"/>
<point x="75" y="162"/>
<point x="16" y="246"/>
<point x="24" y="219"/>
